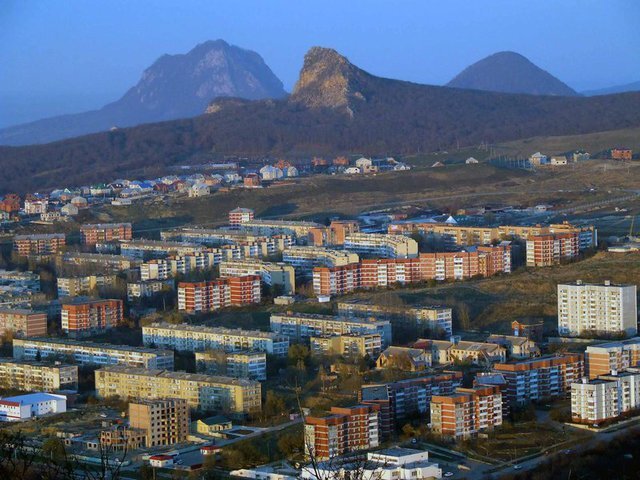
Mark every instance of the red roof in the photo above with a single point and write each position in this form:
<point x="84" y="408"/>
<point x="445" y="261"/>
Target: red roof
<point x="161" y="457"/>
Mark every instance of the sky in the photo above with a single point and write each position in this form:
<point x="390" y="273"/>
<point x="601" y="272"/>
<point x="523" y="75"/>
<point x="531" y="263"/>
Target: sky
<point x="68" y="56"/>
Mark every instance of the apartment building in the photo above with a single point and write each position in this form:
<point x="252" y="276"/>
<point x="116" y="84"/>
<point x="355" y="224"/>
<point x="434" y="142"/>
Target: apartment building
<point x="193" y="338"/>
<point x="466" y="412"/>
<point x="482" y="261"/>
<point x="148" y="288"/>
<point x="205" y="259"/>
<point x="408" y="398"/>
<point x="349" y="345"/>
<point x="238" y="216"/>
<point x="76" y="286"/>
<point x="454" y="234"/>
<point x="540" y="378"/>
<point x="202" y="392"/>
<point x="298" y="229"/>
<point x="22" y="322"/>
<point x="333" y="235"/>
<point x="163" y="421"/>
<point x="88" y="317"/>
<point x="272" y="274"/>
<point x="551" y="249"/>
<point x="336" y="280"/>
<point x="305" y="258"/>
<point x="249" y="364"/>
<point x="140" y="249"/>
<point x="429" y="318"/>
<point x="103" y="261"/>
<point x="90" y="353"/>
<point x="597" y="309"/>
<point x="381" y="245"/>
<point x="384" y="272"/>
<point x="37" y="376"/>
<point x="605" y="397"/>
<point x="201" y="297"/>
<point x="253" y="245"/>
<point x="105" y="232"/>
<point x="604" y="358"/>
<point x="303" y="326"/>
<point x="39" y="244"/>
<point x="344" y="430"/>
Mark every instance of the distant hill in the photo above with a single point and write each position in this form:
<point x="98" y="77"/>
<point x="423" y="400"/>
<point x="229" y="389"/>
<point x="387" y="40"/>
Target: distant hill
<point x="175" y="86"/>
<point x="510" y="72"/>
<point x="335" y="108"/>
<point x="629" y="87"/>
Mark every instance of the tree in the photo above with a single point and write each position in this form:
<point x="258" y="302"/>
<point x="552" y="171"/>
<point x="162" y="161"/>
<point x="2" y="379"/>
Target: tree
<point x="274" y="405"/>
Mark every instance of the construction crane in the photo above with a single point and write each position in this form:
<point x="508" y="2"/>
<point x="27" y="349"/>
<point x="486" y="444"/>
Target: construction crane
<point x="633" y="222"/>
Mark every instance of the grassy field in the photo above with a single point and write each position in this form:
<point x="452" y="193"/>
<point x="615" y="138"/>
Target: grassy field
<point x="447" y="188"/>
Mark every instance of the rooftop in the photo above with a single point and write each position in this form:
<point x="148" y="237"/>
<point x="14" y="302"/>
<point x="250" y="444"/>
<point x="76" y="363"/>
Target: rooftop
<point x="191" y="377"/>
<point x="30" y="398"/>
<point x="213" y="330"/>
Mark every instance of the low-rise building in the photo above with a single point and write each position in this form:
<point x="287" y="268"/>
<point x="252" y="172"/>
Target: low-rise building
<point x="241" y="364"/>
<point x="404" y="358"/>
<point x="192" y="338"/>
<point x="451" y="351"/>
<point x="466" y="412"/>
<point x="344" y="430"/>
<point x="163" y="421"/>
<point x="303" y="326"/>
<point x="238" y="216"/>
<point x="24" y="407"/>
<point x="517" y="347"/>
<point x="203" y="392"/>
<point x="531" y="329"/>
<point x="37" y="376"/>
<point x="89" y="353"/>
<point x="213" y="426"/>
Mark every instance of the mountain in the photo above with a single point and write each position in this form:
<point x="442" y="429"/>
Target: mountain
<point x="335" y="108"/>
<point x="175" y="86"/>
<point x="629" y="87"/>
<point x="510" y="72"/>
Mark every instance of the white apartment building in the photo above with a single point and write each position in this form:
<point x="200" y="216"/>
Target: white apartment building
<point x="305" y="259"/>
<point x="194" y="338"/>
<point x="381" y="245"/>
<point x="89" y="353"/>
<point x="606" y="308"/>
<point x="605" y="397"/>
<point x="162" y="269"/>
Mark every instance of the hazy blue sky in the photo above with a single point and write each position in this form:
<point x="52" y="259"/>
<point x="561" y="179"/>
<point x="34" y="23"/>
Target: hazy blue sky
<point x="71" y="55"/>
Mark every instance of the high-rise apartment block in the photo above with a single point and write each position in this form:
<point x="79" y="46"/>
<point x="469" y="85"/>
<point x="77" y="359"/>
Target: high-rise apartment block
<point x="381" y="245"/>
<point x="23" y="322"/>
<point x="241" y="364"/>
<point x="605" y="397"/>
<point x="551" y="249"/>
<point x="597" y="309"/>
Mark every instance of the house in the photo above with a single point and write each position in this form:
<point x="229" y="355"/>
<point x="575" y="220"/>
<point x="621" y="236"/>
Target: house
<point x="538" y="159"/>
<point x="199" y="190"/>
<point x="455" y="350"/>
<point x="559" y="160"/>
<point x="471" y="161"/>
<point x="79" y="202"/>
<point x="352" y="170"/>
<point x="290" y="171"/>
<point x="161" y="461"/>
<point x="270" y="173"/>
<point x="437" y="165"/>
<point x="621" y="153"/>
<point x="69" y="210"/>
<point x="363" y="163"/>
<point x="517" y="347"/>
<point x="213" y="426"/>
<point x="252" y="180"/>
<point x="404" y="358"/>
